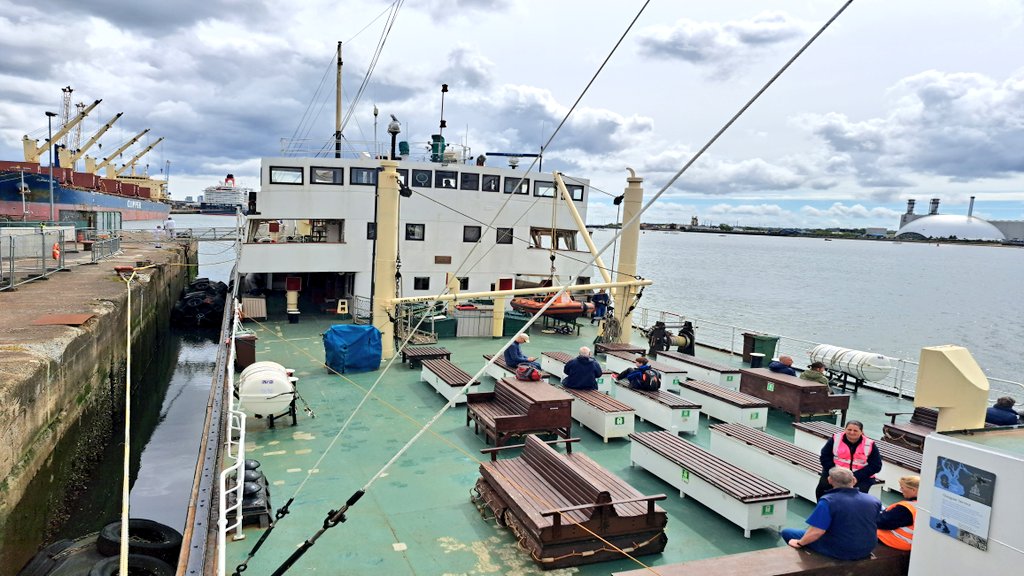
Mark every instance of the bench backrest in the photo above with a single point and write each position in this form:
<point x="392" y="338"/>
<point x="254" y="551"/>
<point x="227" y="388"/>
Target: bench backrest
<point x="562" y="476"/>
<point x="925" y="417"/>
<point x="511" y="399"/>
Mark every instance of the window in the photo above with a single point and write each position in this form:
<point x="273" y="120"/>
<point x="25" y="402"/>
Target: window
<point x="469" y="181"/>
<point x="544" y="189"/>
<point x="371" y="230"/>
<point x="504" y="236"/>
<point x="516" y="185"/>
<point x="421" y="283"/>
<point x="445" y="179"/>
<point x="564" y="239"/>
<point x="323" y="175"/>
<point x="403" y="175"/>
<point x="421" y="178"/>
<point x="490" y="182"/>
<point x="286" y="175"/>
<point x="470" y="233"/>
<point x="464" y="283"/>
<point x="575" y="191"/>
<point x="415" y="232"/>
<point x="364" y="176"/>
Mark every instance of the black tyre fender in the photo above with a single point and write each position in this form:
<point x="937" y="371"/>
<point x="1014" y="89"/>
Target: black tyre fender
<point x="146" y="537"/>
<point x="138" y="565"/>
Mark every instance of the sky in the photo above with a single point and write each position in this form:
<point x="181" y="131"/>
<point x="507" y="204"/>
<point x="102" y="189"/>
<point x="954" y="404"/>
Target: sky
<point x="915" y="99"/>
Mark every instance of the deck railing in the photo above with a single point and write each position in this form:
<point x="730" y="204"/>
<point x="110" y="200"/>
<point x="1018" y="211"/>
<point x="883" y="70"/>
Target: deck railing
<point x="902" y="380"/>
<point x="234" y="452"/>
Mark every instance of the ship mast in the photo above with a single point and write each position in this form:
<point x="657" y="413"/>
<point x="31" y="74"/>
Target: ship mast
<point x="337" y="109"/>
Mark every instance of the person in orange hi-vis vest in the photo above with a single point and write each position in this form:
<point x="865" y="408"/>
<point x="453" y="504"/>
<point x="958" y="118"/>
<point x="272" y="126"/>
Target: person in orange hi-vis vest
<point x="896" y="523"/>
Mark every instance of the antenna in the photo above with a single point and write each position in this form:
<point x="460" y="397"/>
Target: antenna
<point x="444" y="90"/>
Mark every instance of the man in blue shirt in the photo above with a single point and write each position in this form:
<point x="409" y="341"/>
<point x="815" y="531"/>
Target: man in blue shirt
<point x="842" y="525"/>
<point x="1002" y="414"/>
<point x="784" y="365"/>
<point x="582" y="372"/>
<point x="514" y="354"/>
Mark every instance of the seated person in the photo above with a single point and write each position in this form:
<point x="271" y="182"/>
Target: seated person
<point x="815" y="373"/>
<point x="896" y="523"/>
<point x="784" y="365"/>
<point x="582" y="372"/>
<point x="1002" y="414"/>
<point x="635" y="375"/>
<point x="514" y="354"/>
<point x="842" y="525"/>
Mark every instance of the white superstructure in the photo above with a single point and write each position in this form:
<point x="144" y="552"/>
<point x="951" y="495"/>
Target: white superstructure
<point x="226" y="194"/>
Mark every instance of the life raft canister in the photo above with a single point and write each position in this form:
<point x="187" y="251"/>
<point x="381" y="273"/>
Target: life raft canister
<point x="56" y="251"/>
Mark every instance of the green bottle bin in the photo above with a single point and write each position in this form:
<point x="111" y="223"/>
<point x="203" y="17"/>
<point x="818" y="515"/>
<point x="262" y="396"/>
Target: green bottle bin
<point x="514" y="322"/>
<point x="761" y="343"/>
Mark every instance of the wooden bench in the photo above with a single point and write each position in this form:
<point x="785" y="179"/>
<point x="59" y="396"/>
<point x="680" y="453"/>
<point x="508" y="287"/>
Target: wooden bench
<point x="605" y="415"/>
<point x="671" y="375"/>
<point x="747" y="500"/>
<point x="517" y="408"/>
<point x="554" y="364"/>
<point x="777" y="460"/>
<point x="911" y="434"/>
<point x="793" y="395"/>
<point x="447" y="378"/>
<point x="499" y="369"/>
<point x="606" y="347"/>
<point x="419" y="354"/>
<point x="786" y="561"/>
<point x="661" y="408"/>
<point x="555" y="504"/>
<point x="726" y="404"/>
<point x="899" y="461"/>
<point x="701" y="369"/>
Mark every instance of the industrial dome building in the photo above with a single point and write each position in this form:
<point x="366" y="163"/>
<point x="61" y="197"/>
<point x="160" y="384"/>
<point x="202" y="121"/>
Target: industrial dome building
<point x="935" y="226"/>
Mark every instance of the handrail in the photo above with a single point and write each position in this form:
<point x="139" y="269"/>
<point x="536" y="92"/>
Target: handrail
<point x="234" y="449"/>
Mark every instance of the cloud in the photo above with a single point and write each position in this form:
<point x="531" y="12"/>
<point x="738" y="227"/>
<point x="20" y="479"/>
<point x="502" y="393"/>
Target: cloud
<point x="722" y="47"/>
<point x="841" y="211"/>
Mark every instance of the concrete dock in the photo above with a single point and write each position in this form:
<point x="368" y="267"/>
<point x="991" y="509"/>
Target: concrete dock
<point x="63" y="352"/>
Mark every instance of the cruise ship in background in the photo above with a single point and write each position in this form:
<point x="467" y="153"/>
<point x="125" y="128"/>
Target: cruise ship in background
<point x="226" y="197"/>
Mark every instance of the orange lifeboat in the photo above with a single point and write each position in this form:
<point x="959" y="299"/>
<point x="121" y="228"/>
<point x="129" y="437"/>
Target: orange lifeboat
<point x="563" y="308"/>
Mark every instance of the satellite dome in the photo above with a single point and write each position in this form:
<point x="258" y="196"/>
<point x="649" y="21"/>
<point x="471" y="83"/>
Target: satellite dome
<point x="946" y="225"/>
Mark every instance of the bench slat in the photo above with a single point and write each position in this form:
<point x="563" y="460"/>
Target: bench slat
<point x="771" y="445"/>
<point x="725" y="394"/>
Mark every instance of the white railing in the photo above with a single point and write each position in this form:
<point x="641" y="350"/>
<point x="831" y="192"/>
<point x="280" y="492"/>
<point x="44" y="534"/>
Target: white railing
<point x="234" y="450"/>
<point x="902" y="380"/>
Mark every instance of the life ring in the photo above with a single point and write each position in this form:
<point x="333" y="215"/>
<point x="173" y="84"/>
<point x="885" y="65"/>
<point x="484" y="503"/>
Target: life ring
<point x="55" y="252"/>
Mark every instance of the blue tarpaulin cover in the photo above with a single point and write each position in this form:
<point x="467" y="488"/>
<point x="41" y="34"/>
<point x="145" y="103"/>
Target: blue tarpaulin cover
<point x="351" y="348"/>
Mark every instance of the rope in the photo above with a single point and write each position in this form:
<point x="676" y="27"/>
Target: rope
<point x="125" y="472"/>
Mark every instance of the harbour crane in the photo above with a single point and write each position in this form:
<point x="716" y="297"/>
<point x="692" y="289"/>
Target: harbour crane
<point x="93" y="168"/>
<point x="68" y="158"/>
<point x="111" y="173"/>
<point x="65" y="113"/>
<point x="33" y="151"/>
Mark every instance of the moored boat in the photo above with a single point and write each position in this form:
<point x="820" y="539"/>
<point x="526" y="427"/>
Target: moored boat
<point x="563" y="308"/>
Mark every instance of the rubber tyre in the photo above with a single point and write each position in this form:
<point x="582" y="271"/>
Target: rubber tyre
<point x="138" y="565"/>
<point x="147" y="538"/>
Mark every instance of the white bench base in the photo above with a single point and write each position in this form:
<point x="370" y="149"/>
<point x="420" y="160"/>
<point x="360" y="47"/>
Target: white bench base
<point x="748" y="516"/>
<point x="726" y="412"/>
<point x="729" y="379"/>
<point x="799" y="480"/>
<point x="604" y="424"/>
<point x="673" y="420"/>
<point x="890" y="472"/>
<point x="444" y="389"/>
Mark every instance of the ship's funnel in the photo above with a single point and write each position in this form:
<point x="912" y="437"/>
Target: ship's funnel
<point x="933" y="209"/>
<point x="949" y="379"/>
<point x="910" y="206"/>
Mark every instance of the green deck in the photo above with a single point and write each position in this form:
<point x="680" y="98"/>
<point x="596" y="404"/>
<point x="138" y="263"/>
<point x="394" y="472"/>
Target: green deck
<point x="418" y="518"/>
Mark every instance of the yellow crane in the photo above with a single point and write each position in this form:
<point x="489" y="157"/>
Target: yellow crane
<point x="111" y="173"/>
<point x="68" y="158"/>
<point x="93" y="168"/>
<point x="33" y="151"/>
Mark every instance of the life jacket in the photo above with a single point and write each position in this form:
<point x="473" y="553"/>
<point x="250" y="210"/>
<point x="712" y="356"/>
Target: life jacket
<point x="900" y="538"/>
<point x="841" y="452"/>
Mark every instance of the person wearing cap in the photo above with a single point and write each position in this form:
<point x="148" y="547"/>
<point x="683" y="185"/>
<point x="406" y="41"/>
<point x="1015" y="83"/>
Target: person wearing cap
<point x="1002" y="414"/>
<point x="815" y="373"/>
<point x="514" y="354"/>
<point x="784" y="365"/>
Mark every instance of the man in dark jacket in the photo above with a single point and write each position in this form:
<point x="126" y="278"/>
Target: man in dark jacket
<point x="1002" y="414"/>
<point x="635" y="375"/>
<point x="582" y="372"/>
<point x="784" y="365"/>
<point x="514" y="354"/>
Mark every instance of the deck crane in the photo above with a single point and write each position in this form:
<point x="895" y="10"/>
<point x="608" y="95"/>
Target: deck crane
<point x="68" y="158"/>
<point x="111" y="173"/>
<point x="93" y="168"/>
<point x="32" y="148"/>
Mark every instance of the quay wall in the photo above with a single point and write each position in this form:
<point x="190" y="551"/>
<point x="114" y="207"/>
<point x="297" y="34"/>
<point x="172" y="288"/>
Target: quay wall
<point x="62" y="387"/>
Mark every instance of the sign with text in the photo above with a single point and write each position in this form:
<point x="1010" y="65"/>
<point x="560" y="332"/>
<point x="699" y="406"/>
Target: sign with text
<point x="963" y="502"/>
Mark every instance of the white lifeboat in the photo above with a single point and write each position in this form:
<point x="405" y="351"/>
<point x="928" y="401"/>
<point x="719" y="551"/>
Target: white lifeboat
<point x="265" y="389"/>
<point x="863" y="365"/>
